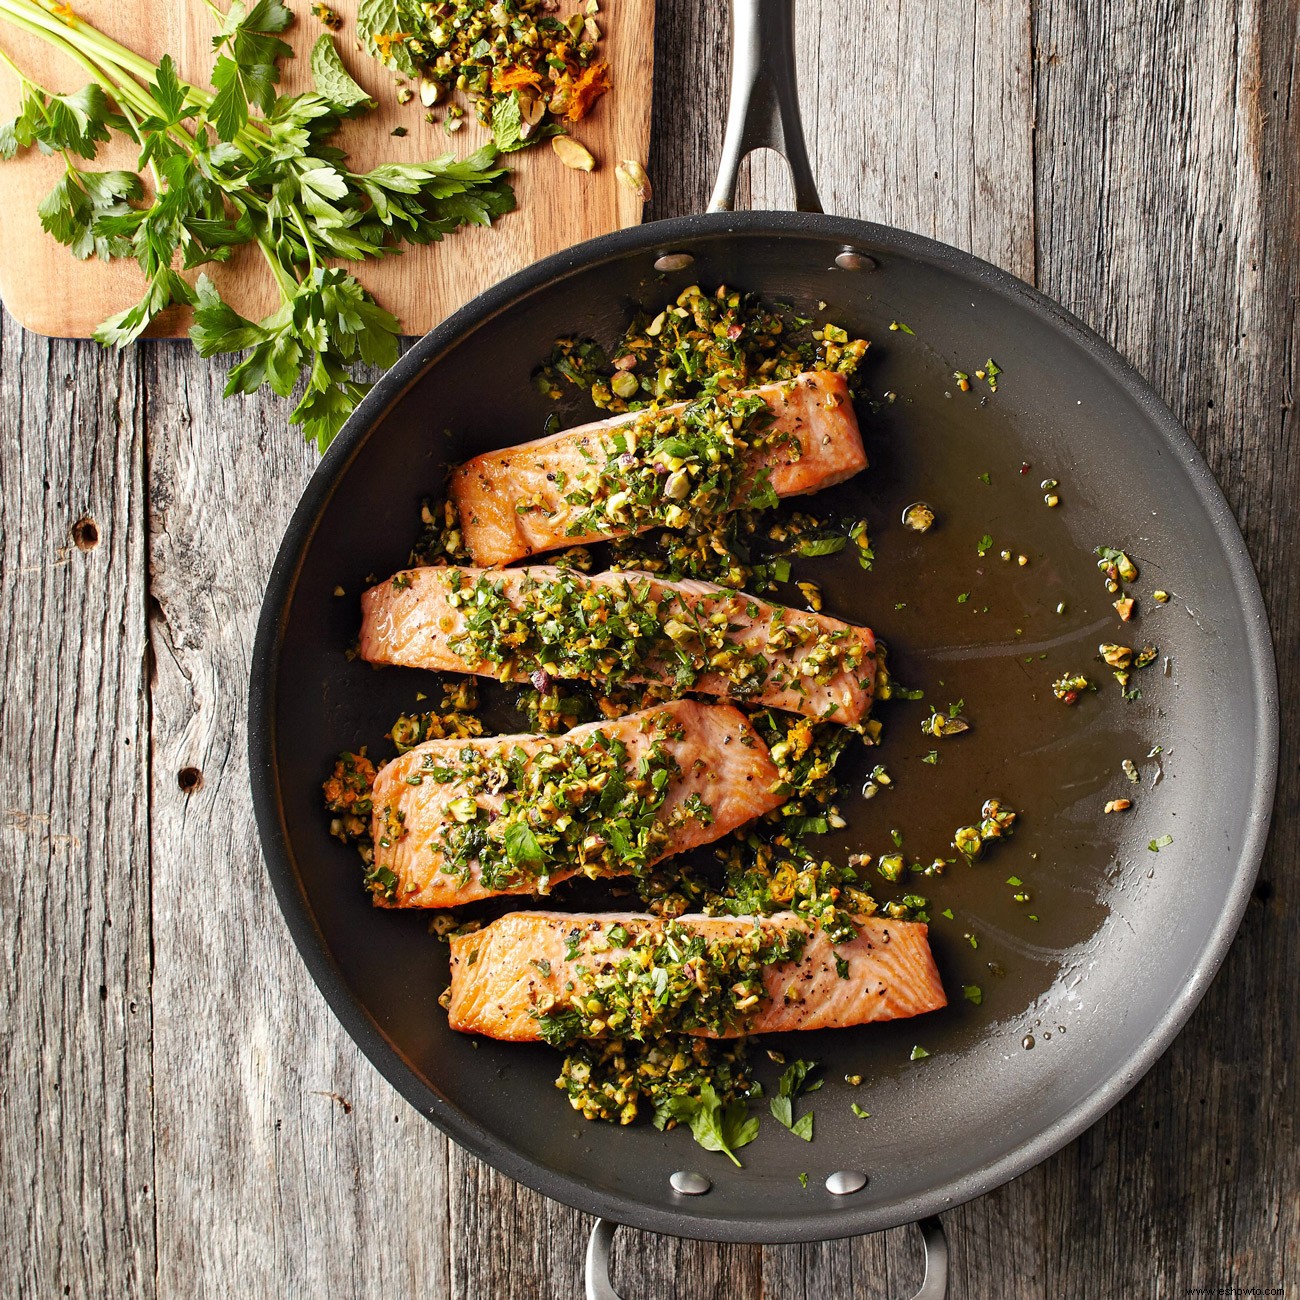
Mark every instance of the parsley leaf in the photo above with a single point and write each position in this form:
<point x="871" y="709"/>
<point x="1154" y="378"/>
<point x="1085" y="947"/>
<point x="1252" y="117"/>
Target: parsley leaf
<point x="222" y="178"/>
<point x="813" y="546"/>
<point x="248" y="73"/>
<point x="75" y="208"/>
<point x="521" y="844"/>
<point x="792" y="1083"/>
<point x="715" y="1126"/>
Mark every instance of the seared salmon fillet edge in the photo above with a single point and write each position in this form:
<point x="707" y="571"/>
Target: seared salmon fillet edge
<point x="409" y="621"/>
<point x="815" y="409"/>
<point x="503" y="972"/>
<point x="720" y="758"/>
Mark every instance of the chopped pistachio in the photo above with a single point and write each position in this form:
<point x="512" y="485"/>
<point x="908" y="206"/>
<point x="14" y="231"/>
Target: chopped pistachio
<point x="572" y="154"/>
<point x="633" y="175"/>
<point x="919" y="517"/>
<point x="1116" y="656"/>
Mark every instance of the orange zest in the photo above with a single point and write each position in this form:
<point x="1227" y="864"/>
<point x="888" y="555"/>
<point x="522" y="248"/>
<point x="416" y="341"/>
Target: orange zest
<point x="384" y="42"/>
<point x="513" y="78"/>
<point x="587" y="89"/>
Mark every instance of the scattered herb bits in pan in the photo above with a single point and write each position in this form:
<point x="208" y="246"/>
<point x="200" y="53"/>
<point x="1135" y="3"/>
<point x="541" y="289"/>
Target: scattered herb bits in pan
<point x="666" y="572"/>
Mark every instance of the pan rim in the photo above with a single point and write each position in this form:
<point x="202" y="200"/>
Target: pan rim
<point x="841" y="1220"/>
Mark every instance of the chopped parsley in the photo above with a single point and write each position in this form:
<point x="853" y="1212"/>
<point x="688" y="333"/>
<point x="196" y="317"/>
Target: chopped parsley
<point x="669" y="979"/>
<point x="567" y="627"/>
<point x="581" y="803"/>
<point x="794" y="1082"/>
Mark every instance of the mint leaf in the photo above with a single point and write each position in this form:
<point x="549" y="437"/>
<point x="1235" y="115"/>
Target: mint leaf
<point x="332" y="80"/>
<point x="507" y="123"/>
<point x="393" y="19"/>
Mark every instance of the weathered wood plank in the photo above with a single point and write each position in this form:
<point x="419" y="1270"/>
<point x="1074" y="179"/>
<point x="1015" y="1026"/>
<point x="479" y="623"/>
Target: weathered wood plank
<point x="1162" y="199"/>
<point x="76" y="1129"/>
<point x="919" y="116"/>
<point x="1167" y="218"/>
<point x="285" y="1163"/>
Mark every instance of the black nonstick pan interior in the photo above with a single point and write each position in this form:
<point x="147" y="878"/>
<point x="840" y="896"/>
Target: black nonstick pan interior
<point x="1126" y="938"/>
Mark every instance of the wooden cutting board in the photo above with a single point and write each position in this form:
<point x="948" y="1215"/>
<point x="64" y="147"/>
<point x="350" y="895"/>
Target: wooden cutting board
<point x="49" y="291"/>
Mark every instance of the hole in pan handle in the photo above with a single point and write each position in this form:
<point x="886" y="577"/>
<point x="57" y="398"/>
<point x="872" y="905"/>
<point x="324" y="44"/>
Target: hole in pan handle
<point x="763" y="111"/>
<point x="934" y="1286"/>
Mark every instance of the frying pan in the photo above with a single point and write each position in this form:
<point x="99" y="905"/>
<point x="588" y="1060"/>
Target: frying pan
<point x="1128" y="916"/>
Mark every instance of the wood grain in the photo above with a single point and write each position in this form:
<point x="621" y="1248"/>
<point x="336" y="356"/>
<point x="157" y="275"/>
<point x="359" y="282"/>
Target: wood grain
<point x="284" y="1161"/>
<point x="48" y="292"/>
<point x="1140" y="162"/>
<point x="76" y="1124"/>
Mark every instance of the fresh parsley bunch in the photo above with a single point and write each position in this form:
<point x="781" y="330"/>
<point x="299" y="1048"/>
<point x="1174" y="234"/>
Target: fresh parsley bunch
<point x="222" y="175"/>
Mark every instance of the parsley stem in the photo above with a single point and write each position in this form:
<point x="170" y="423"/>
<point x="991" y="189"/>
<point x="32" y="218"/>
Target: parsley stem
<point x="80" y="35"/>
<point x="288" y="286"/>
<point x="121" y="88"/>
<point x="307" y="240"/>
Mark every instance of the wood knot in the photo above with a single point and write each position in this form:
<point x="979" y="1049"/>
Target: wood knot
<point x="85" y="534"/>
<point x="190" y="780"/>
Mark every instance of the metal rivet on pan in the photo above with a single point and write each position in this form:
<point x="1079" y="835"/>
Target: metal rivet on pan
<point x="851" y="260"/>
<point x="689" y="1184"/>
<point x="674" y="262"/>
<point x="845" y="1182"/>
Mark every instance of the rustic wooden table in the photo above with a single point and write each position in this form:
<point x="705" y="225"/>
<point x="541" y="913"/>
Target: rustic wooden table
<point x="180" y="1115"/>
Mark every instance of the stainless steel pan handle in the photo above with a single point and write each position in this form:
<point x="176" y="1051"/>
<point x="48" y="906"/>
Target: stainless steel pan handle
<point x="764" y="107"/>
<point x="933" y="1287"/>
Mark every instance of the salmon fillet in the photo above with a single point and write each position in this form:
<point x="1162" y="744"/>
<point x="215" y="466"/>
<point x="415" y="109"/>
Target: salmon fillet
<point x="508" y="975"/>
<point x="453" y="818"/>
<point x="525" y="499"/>
<point x="620" y="627"/>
